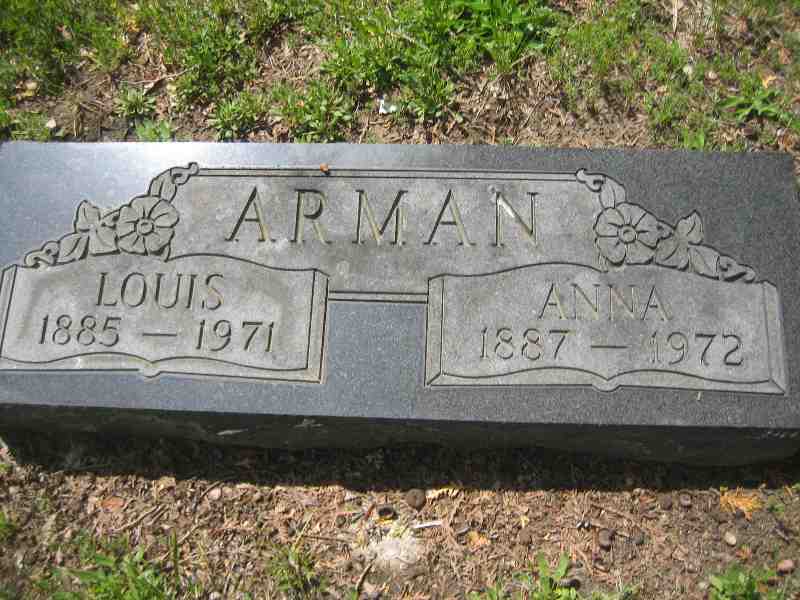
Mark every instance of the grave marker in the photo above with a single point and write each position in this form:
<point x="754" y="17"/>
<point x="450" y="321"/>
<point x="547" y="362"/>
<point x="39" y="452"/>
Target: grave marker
<point x="635" y="303"/>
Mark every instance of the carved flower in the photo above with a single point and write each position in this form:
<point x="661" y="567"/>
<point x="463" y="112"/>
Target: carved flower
<point x="627" y="233"/>
<point x="145" y="226"/>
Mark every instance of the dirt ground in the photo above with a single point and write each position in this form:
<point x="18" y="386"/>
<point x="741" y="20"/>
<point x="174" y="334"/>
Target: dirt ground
<point x="420" y="522"/>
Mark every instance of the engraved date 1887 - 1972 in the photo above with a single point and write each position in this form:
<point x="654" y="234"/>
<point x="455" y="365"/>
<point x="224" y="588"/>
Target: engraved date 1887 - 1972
<point x="661" y="348"/>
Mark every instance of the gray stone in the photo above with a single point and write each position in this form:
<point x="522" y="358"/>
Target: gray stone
<point x="639" y="304"/>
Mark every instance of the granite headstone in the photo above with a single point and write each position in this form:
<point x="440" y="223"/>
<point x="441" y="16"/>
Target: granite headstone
<point x="634" y="303"/>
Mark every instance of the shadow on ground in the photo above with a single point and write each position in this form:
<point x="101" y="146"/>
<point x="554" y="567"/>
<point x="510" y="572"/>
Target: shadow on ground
<point x="381" y="469"/>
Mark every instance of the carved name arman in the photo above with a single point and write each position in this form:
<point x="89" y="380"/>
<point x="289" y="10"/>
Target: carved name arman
<point x="528" y="278"/>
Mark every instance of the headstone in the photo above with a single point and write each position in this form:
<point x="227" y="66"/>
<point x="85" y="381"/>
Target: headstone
<point x="633" y="303"/>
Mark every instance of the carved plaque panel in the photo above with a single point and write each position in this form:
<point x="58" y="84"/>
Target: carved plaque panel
<point x="529" y="279"/>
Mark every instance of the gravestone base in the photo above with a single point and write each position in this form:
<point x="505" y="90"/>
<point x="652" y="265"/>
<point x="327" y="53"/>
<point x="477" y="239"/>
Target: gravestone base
<point x="689" y="446"/>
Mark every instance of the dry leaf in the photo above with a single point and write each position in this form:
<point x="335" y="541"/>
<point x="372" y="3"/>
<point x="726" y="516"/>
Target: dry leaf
<point x="747" y="502"/>
<point x="450" y="492"/>
<point x="113" y="504"/>
<point x="767" y="80"/>
<point x="476" y="540"/>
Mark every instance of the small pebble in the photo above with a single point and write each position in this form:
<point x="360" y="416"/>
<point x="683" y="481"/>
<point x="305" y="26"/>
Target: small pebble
<point x="526" y="536"/>
<point x="719" y="516"/>
<point x="729" y="538"/>
<point x="786" y="566"/>
<point x="415" y="499"/>
<point x="685" y="500"/>
<point x="702" y="586"/>
<point x="604" y="538"/>
<point x="665" y="501"/>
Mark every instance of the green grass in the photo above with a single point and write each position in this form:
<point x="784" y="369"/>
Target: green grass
<point x="236" y="117"/>
<point x="149" y="130"/>
<point x="423" y="55"/>
<point x="546" y="585"/>
<point x="739" y="584"/>
<point x="112" y="570"/>
<point x="420" y="49"/>
<point x="42" y="40"/>
<point x="30" y="125"/>
<point x="320" y="113"/>
<point x="213" y="44"/>
<point x="292" y="571"/>
<point x="7" y="528"/>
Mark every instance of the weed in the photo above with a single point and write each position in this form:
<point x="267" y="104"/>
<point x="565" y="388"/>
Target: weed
<point x="775" y="506"/>
<point x="502" y="30"/>
<point x="235" y="117"/>
<point x="207" y="42"/>
<point x="5" y="117"/>
<point x="134" y="103"/>
<point x="263" y="18"/>
<point x="549" y="579"/>
<point x="29" y="125"/>
<point x="425" y="47"/>
<point x="320" y="115"/>
<point x="548" y="586"/>
<point x="292" y="570"/>
<point x="154" y="131"/>
<point x="761" y="102"/>
<point x="111" y="569"/>
<point x="43" y="40"/>
<point x="128" y="576"/>
<point x="7" y="528"/>
<point x="738" y="584"/>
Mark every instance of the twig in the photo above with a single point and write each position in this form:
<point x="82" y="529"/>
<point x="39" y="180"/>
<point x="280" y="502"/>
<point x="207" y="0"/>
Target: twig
<point x="675" y="16"/>
<point x="138" y="520"/>
<point x="185" y="537"/>
<point x="216" y="484"/>
<point x="527" y="120"/>
<point x="586" y="561"/>
<point x="428" y="524"/>
<point x="364" y="130"/>
<point x="325" y="538"/>
<point x="362" y="577"/>
<point x="619" y="513"/>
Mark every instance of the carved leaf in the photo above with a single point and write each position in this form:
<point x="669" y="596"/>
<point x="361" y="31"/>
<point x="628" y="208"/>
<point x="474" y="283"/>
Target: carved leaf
<point x="691" y="228"/>
<point x="670" y="252"/>
<point x="704" y="260"/>
<point x="102" y="240"/>
<point x="86" y="216"/>
<point x="730" y="270"/>
<point x="72" y="247"/>
<point x="612" y="193"/>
